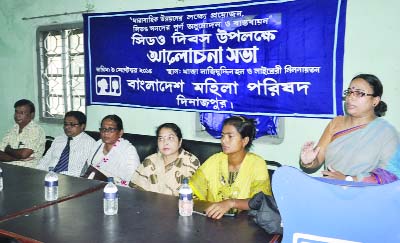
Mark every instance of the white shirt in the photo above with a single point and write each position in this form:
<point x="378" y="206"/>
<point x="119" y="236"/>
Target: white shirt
<point x="120" y="162"/>
<point x="80" y="147"/>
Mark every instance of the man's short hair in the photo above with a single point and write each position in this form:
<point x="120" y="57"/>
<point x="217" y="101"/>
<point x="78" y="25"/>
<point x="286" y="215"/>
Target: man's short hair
<point x="23" y="102"/>
<point x="78" y="115"/>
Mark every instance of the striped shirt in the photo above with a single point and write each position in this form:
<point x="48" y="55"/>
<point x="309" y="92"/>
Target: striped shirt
<point x="80" y="147"/>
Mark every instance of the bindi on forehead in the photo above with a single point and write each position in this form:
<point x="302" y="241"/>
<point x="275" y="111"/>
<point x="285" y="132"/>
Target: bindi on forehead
<point x="361" y="89"/>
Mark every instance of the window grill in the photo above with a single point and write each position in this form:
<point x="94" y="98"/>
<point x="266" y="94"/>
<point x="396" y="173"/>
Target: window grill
<point x="61" y="71"/>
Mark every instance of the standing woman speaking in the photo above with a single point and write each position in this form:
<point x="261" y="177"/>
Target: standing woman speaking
<point x="359" y="145"/>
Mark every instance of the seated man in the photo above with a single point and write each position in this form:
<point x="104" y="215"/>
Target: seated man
<point x="69" y="152"/>
<point x="24" y="143"/>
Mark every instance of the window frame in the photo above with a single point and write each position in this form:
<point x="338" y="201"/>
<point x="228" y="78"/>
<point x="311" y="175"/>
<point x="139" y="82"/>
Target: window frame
<point x="42" y="93"/>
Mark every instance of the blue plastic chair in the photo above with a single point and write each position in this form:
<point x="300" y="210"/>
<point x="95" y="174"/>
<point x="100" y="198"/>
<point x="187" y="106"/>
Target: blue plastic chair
<point x="323" y="210"/>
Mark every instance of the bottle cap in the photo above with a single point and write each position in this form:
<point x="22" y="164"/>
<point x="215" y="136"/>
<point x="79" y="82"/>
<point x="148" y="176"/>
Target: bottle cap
<point x="185" y="180"/>
<point x="51" y="168"/>
<point x="110" y="179"/>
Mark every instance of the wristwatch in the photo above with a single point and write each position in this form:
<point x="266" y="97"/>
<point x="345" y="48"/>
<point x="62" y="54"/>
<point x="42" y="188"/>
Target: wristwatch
<point x="348" y="178"/>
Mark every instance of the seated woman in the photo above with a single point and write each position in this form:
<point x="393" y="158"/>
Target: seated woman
<point x="357" y="146"/>
<point x="112" y="155"/>
<point x="230" y="178"/>
<point x="164" y="171"/>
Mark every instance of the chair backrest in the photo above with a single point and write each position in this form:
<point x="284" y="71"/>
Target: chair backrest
<point x="324" y="210"/>
<point x="147" y="145"/>
<point x="49" y="141"/>
<point x="272" y="166"/>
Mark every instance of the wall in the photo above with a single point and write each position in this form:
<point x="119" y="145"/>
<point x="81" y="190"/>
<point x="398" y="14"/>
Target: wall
<point x="370" y="46"/>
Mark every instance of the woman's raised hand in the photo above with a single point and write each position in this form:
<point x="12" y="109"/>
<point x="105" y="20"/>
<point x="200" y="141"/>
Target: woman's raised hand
<point x="308" y="152"/>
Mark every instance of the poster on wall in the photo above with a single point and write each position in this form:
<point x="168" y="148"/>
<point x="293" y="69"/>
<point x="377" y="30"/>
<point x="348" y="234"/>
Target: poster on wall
<point x="275" y="58"/>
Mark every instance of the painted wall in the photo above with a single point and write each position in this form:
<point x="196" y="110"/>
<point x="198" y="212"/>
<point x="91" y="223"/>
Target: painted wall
<point x="371" y="46"/>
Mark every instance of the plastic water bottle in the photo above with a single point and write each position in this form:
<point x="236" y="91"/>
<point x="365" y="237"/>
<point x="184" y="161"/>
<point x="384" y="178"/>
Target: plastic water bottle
<point x="110" y="198"/>
<point x="51" y="185"/>
<point x="1" y="179"/>
<point x="185" y="199"/>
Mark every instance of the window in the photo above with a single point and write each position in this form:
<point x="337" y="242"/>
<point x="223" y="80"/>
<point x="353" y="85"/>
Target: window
<point x="61" y="72"/>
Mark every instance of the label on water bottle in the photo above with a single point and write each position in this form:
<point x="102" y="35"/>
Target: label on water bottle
<point x="112" y="195"/>
<point x="186" y="196"/>
<point x="50" y="183"/>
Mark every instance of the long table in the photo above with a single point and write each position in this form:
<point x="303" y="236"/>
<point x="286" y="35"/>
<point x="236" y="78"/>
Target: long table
<point x="142" y="217"/>
<point x="24" y="190"/>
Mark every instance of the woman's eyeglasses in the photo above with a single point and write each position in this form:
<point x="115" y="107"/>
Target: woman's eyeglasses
<point x="355" y="93"/>
<point x="109" y="129"/>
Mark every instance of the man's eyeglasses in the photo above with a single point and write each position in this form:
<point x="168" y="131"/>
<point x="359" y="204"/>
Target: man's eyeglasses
<point x="109" y="129"/>
<point x="71" y="124"/>
<point x="355" y="93"/>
